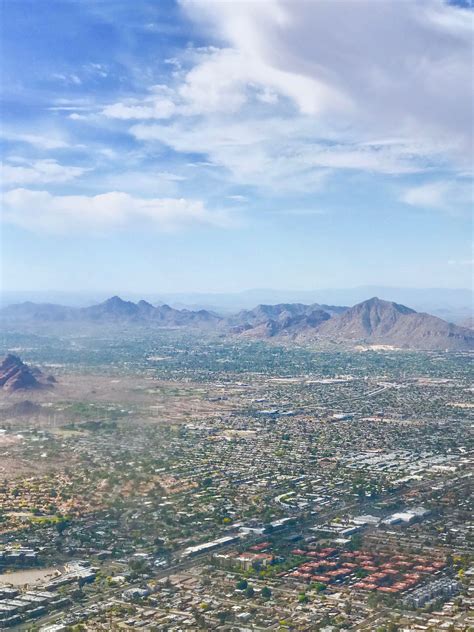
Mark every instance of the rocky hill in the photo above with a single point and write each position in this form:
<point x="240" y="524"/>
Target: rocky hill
<point x="372" y="322"/>
<point x="286" y="324"/>
<point x="372" y="318"/>
<point x="386" y="323"/>
<point x="282" y="316"/>
<point x="15" y="375"/>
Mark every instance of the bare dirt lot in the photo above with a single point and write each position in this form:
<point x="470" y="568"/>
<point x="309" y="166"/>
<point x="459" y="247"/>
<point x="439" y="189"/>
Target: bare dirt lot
<point x="76" y="398"/>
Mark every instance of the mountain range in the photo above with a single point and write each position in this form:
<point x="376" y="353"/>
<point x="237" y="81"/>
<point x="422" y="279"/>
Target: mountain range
<point x="454" y="305"/>
<point x="112" y="310"/>
<point x="371" y="322"/>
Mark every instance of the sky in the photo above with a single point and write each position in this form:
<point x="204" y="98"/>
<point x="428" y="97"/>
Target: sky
<point x="212" y="146"/>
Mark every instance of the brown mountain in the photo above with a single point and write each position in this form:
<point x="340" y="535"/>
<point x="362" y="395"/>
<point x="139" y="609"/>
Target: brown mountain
<point x="286" y="324"/>
<point x="383" y="322"/>
<point x="266" y="321"/>
<point x="262" y="313"/>
<point x="16" y="375"/>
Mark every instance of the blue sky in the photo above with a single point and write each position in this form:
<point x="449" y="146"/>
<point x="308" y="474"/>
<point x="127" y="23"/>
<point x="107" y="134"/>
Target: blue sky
<point x="213" y="146"/>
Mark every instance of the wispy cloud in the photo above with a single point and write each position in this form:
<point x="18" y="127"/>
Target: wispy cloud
<point x="280" y="153"/>
<point x="40" y="210"/>
<point x="135" y="109"/>
<point x="41" y="141"/>
<point x="39" y="172"/>
<point x="71" y="78"/>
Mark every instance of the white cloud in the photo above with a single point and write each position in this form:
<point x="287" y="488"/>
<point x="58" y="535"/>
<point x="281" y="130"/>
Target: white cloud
<point x="38" y="140"/>
<point x="42" y="211"/>
<point x="96" y="69"/>
<point x="299" y="90"/>
<point x="224" y="80"/>
<point x="141" y="182"/>
<point x="430" y="195"/>
<point x="78" y="117"/>
<point x="157" y="109"/>
<point x="274" y="152"/>
<point x="441" y="194"/>
<point x="67" y="78"/>
<point x="39" y="172"/>
<point x="365" y="66"/>
<point x="158" y="104"/>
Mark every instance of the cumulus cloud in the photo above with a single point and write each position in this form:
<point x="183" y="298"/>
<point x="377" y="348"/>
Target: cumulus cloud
<point x="40" y="210"/>
<point x="224" y="80"/>
<point x="372" y="66"/>
<point x="298" y="90"/>
<point x="39" y="172"/>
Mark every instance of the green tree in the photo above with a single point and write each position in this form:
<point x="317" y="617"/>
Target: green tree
<point x="266" y="592"/>
<point x="223" y="616"/>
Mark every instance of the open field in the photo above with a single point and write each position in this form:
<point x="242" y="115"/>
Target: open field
<point x="95" y="397"/>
